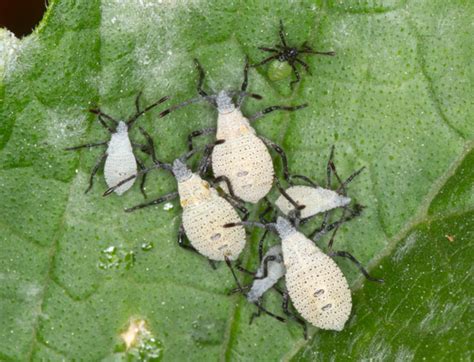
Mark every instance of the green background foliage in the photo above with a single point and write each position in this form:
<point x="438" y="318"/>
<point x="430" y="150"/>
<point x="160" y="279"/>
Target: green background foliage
<point x="397" y="98"/>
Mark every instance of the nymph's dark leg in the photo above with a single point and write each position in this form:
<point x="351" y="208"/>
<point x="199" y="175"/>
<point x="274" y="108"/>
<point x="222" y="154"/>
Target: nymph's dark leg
<point x="324" y="228"/>
<point x="205" y="161"/>
<point x="295" y="204"/>
<point x="307" y="51"/>
<point x="142" y="183"/>
<point x="275" y="108"/>
<point x="101" y="114"/>
<point x="297" y="75"/>
<point x="271" y="50"/>
<point x="238" y="204"/>
<point x="266" y="60"/>
<point x="200" y="70"/>
<point x="349" y="179"/>
<point x="139" y="113"/>
<point x="242" y="269"/>
<point x="345" y="254"/>
<point x="260" y="246"/>
<point x="265" y="266"/>
<point x="202" y="132"/>
<point x="185" y="245"/>
<point x="95" y="169"/>
<point x="137" y="101"/>
<point x="229" y="264"/>
<point x="282" y="34"/>
<point x="157" y="201"/>
<point x="244" y="85"/>
<point x="258" y="313"/>
<point x="227" y="182"/>
<point x="261" y="308"/>
<point x="304" y="178"/>
<point x="305" y="66"/>
<point x="87" y="145"/>
<point x="329" y="168"/>
<point x="286" y="299"/>
<point x="281" y="153"/>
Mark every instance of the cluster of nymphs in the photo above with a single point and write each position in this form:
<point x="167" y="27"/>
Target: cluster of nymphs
<point x="243" y="172"/>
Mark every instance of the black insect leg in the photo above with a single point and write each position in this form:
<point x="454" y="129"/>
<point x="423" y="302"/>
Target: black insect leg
<point x="297" y="75"/>
<point x="304" y="178"/>
<point x="137" y="101"/>
<point x="267" y="210"/>
<point x="297" y="207"/>
<point x="266" y="60"/>
<point x="329" y="168"/>
<point x="282" y="34"/>
<point x="281" y="153"/>
<point x="271" y="50"/>
<point x="202" y="132"/>
<point x="157" y="201"/>
<point x="228" y="184"/>
<point x="260" y="245"/>
<point x="87" y="145"/>
<point x="229" y="264"/>
<point x="346" y="254"/>
<point x="266" y="311"/>
<point x="142" y="167"/>
<point x="185" y="245"/>
<point x="275" y="108"/>
<point x="244" y="85"/>
<point x="206" y="159"/>
<point x="308" y="51"/>
<point x="202" y="75"/>
<point x="305" y="66"/>
<point x="238" y="204"/>
<point x="139" y="113"/>
<point x="242" y="269"/>
<point x="349" y="179"/>
<point x="285" y="307"/>
<point x="94" y="170"/>
<point x="265" y="266"/>
<point x="258" y="313"/>
<point x="324" y="228"/>
<point x="101" y="115"/>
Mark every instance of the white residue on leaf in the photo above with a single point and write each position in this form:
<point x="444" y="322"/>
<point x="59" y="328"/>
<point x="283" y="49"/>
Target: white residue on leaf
<point x="441" y="318"/>
<point x="406" y="247"/>
<point x="168" y="206"/>
<point x="379" y="350"/>
<point x="404" y="354"/>
<point x="65" y="127"/>
<point x="157" y="55"/>
<point x="10" y="48"/>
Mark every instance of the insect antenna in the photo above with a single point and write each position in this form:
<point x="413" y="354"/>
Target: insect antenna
<point x="101" y="115"/>
<point x="139" y="113"/>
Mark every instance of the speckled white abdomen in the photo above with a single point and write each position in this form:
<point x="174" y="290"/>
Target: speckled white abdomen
<point x="316" y="285"/>
<point x="246" y="162"/>
<point x="203" y="223"/>
<point x="316" y="200"/>
<point x="120" y="163"/>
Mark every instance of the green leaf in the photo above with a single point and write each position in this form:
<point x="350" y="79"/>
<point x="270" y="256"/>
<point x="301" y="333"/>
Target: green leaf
<point x="396" y="98"/>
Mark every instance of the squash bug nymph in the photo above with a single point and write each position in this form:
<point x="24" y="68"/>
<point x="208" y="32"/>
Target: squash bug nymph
<point x="316" y="285"/>
<point x="120" y="160"/>
<point x="285" y="58"/>
<point x="204" y="209"/>
<point x="243" y="159"/>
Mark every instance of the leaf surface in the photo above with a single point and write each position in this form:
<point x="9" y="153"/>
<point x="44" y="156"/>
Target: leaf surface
<point x="396" y="98"/>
